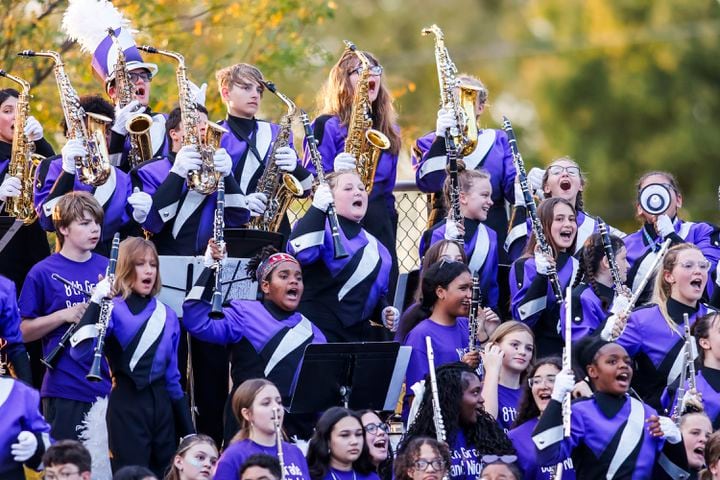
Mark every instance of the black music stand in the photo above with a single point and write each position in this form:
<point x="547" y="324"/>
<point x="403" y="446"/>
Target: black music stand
<point x="8" y="228"/>
<point x="246" y="243"/>
<point x="355" y="375"/>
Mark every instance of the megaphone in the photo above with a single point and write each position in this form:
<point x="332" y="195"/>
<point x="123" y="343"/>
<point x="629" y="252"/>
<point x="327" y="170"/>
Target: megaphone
<point x="655" y="198"/>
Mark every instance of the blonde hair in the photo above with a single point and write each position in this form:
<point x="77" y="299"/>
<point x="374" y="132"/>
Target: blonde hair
<point x="132" y="249"/>
<point x="466" y="180"/>
<point x="71" y="207"/>
<point x="186" y="443"/>
<point x="244" y="397"/>
<point x="662" y="289"/>
<point x="238" y="73"/>
<point x="336" y="98"/>
<point x="512" y="326"/>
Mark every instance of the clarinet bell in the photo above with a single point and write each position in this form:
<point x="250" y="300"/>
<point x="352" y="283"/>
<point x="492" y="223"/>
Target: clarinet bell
<point x="94" y="375"/>
<point x="216" y="312"/>
<point x="338" y="249"/>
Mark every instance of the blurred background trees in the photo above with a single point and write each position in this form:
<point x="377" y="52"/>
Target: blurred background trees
<point x="622" y="86"/>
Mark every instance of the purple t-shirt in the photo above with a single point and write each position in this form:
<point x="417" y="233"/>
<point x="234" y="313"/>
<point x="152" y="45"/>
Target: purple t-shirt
<point x="42" y="295"/>
<point x="508" y="402"/>
<point x="465" y="462"/>
<point x="237" y="453"/>
<point x="449" y="344"/>
<point x="334" y="474"/>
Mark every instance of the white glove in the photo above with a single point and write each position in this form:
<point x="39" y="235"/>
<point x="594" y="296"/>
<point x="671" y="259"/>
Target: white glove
<point x="519" y="197"/>
<point x="72" y="149"/>
<point x="209" y="261"/>
<point x="188" y="158"/>
<point x="322" y="198"/>
<point x="11" y="187"/>
<point x="257" y="203"/>
<point x="286" y="159"/>
<point x="607" y="331"/>
<point x="141" y="203"/>
<point x="344" y="161"/>
<point x="542" y="264"/>
<point x="223" y="162"/>
<point x="445" y="120"/>
<point x="33" y="129"/>
<point x="564" y="383"/>
<point x="122" y="115"/>
<point x="25" y="447"/>
<point x="620" y="303"/>
<point x="102" y="290"/>
<point x="664" y="225"/>
<point x="451" y="231"/>
<point x="534" y="178"/>
<point x="391" y="318"/>
<point x="198" y="92"/>
<point x="670" y="431"/>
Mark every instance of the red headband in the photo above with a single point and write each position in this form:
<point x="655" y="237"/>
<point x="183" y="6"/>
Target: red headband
<point x="268" y="265"/>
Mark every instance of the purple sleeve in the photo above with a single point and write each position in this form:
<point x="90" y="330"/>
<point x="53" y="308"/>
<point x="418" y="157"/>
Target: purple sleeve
<point x="10" y="316"/>
<point x="418" y="365"/>
<point x="227" y="330"/>
<point x="312" y="223"/>
<point x="429" y="159"/>
<point x="632" y="337"/>
<point x="228" y="467"/>
<point x="508" y="182"/>
<point x="488" y="273"/>
<point x="172" y="374"/>
<point x="527" y="293"/>
<point x="149" y="184"/>
<point x="332" y="141"/>
<point x="33" y="421"/>
<point x="30" y="297"/>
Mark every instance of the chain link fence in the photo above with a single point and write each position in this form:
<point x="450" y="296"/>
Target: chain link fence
<point x="412" y="209"/>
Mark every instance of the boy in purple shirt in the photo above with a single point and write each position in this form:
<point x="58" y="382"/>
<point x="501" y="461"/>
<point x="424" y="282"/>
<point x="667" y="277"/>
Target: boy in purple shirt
<point x="49" y="307"/>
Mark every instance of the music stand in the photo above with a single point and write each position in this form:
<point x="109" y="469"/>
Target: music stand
<point x="355" y="375"/>
<point x="8" y="227"/>
<point x="246" y="243"/>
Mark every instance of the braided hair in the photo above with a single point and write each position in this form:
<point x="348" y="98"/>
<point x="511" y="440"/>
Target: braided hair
<point x="255" y="262"/>
<point x="452" y="380"/>
<point x="591" y="255"/>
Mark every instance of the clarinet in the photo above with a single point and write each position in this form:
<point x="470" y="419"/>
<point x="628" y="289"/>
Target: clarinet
<point x="316" y="159"/>
<point x="216" y="312"/>
<point x="437" y="410"/>
<point x="475" y="306"/>
<point x="106" y="308"/>
<point x="278" y="442"/>
<point x="532" y="209"/>
<point x="452" y="157"/>
<point x="687" y="373"/>
<point x="610" y="255"/>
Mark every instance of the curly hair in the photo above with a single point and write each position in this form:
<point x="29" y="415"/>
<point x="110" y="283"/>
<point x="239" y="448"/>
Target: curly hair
<point x="452" y="380"/>
<point x="254" y="262"/>
<point x="406" y="460"/>
<point x="528" y="409"/>
<point x="591" y="254"/>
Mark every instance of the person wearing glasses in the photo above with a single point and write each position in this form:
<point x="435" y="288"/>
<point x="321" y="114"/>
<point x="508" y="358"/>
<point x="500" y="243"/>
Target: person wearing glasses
<point x="67" y="460"/>
<point x="535" y="397"/>
<point x="563" y="179"/>
<point x="335" y="104"/>
<point x="653" y="334"/>
<point x="423" y="458"/>
<point x="378" y="441"/>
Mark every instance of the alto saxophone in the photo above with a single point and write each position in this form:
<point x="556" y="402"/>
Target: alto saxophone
<point x="137" y="126"/>
<point x="279" y="187"/>
<point x="205" y="180"/>
<point x="364" y="142"/>
<point x="94" y="168"/>
<point x="23" y="160"/>
<point x="456" y="96"/>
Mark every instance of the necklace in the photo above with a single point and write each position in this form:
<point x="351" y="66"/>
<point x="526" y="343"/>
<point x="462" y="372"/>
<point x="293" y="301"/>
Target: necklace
<point x="335" y="477"/>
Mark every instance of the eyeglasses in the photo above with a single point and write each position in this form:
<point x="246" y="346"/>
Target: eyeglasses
<point x="436" y="464"/>
<point x="142" y="75"/>
<point x="372" y="428"/>
<point x="703" y="265"/>
<point x="558" y="169"/>
<point x="548" y="380"/>
<point x="60" y="475"/>
<point x="376" y="70"/>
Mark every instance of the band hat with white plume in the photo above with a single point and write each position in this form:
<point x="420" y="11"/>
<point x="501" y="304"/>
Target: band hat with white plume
<point x="87" y="22"/>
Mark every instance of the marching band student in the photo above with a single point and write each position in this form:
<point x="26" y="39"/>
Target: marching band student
<point x="378" y="441"/>
<point x="67" y="459"/>
<point x="423" y="458"/>
<point x="653" y="334"/>
<point x="643" y="244"/>
<point x="11" y="341"/>
<point x="255" y="404"/>
<point x="337" y="450"/>
<point x="335" y="103"/>
<point x="595" y="298"/>
<point x="506" y="359"/>
<point x="480" y="241"/>
<point x="696" y="429"/>
<point x="613" y="435"/>
<point x="261" y="467"/>
<point x="499" y="470"/>
<point x="134" y="472"/>
<point x="443" y="317"/>
<point x="29" y="245"/>
<point x="533" y="299"/>
<point x="141" y="347"/>
<point x="472" y="435"/>
<point x="535" y="398"/>
<point x="712" y="458"/>
<point x="341" y="295"/>
<point x="195" y="459"/>
<point x="49" y="307"/>
<point x="25" y="434"/>
<point x="57" y="176"/>
<point x="256" y="330"/>
<point x="249" y="141"/>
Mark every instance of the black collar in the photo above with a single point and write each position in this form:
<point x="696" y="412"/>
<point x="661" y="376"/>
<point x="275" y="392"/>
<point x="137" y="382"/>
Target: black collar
<point x="676" y="310"/>
<point x="5" y="150"/>
<point x="277" y="312"/>
<point x="609" y="404"/>
<point x="603" y="291"/>
<point x="244" y="125"/>
<point x="712" y="376"/>
<point x="350" y="228"/>
<point x="137" y="303"/>
<point x="471" y="226"/>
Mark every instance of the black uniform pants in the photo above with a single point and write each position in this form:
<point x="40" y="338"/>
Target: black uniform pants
<point x="64" y="416"/>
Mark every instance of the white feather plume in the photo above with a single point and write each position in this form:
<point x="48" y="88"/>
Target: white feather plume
<point x="87" y="21"/>
<point x="94" y="435"/>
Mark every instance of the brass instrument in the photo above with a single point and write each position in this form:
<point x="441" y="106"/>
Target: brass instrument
<point x="94" y="168"/>
<point x="362" y="141"/>
<point x="138" y="126"/>
<point x="23" y="160"/>
<point x="278" y="441"/>
<point x="205" y="180"/>
<point x="440" y="434"/>
<point x="279" y="187"/>
<point x="455" y="96"/>
<point x="216" y="312"/>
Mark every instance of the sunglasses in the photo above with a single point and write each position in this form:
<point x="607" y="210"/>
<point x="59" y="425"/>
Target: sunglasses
<point x="142" y="75"/>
